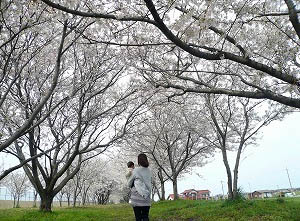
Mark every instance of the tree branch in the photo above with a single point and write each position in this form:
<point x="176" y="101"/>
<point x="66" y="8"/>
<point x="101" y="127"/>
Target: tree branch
<point x="293" y="16"/>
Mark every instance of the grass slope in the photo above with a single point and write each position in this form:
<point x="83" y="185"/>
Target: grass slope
<point x="186" y="210"/>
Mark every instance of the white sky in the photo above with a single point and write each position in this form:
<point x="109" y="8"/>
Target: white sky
<point x="262" y="167"/>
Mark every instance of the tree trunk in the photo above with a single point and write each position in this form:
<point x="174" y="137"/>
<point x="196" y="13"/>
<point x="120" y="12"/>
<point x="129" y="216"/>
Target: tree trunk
<point x="75" y="193"/>
<point x="18" y="202"/>
<point x="34" y="199"/>
<point x="163" y="191"/>
<point x="175" y="191"/>
<point x="152" y="195"/>
<point x="236" y="171"/>
<point x="68" y="198"/>
<point x="84" y="195"/>
<point x="74" y="198"/>
<point x="157" y="191"/>
<point x="229" y="176"/>
<point x="46" y="203"/>
<point x="162" y="184"/>
<point x="14" y="202"/>
<point x="84" y="199"/>
<point x="235" y="188"/>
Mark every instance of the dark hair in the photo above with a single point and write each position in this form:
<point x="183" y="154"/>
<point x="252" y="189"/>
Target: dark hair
<point x="142" y="160"/>
<point x="130" y="164"/>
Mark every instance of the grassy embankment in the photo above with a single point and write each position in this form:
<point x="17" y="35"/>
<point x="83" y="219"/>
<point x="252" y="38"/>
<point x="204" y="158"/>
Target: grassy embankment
<point x="256" y="210"/>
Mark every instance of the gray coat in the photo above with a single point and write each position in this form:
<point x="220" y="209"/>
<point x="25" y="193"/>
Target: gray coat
<point x="141" y="192"/>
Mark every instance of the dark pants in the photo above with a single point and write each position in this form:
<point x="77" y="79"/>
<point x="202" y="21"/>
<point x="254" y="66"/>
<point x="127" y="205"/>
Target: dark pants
<point x="141" y="213"/>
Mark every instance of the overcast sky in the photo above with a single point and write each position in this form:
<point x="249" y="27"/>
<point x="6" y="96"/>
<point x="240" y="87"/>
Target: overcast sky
<point x="262" y="167"/>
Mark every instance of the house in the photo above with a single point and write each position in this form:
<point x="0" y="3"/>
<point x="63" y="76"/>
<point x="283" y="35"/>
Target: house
<point x="203" y="194"/>
<point x="190" y="194"/>
<point x="261" y="194"/>
<point x="193" y="194"/>
<point x="283" y="193"/>
<point x="170" y="197"/>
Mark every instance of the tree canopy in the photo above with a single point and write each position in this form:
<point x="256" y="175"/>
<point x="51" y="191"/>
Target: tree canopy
<point x="240" y="48"/>
<point x="74" y="75"/>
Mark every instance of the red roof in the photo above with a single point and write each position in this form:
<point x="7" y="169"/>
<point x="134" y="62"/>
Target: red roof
<point x="171" y="196"/>
<point x="198" y="191"/>
<point x="188" y="191"/>
<point x="203" y="191"/>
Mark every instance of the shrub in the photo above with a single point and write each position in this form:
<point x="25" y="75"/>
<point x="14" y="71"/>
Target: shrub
<point x="280" y="200"/>
<point x="239" y="198"/>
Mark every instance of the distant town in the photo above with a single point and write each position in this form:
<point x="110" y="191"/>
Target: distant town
<point x="192" y="194"/>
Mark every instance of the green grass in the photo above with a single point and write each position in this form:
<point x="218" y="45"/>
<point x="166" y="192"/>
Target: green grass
<point x="288" y="209"/>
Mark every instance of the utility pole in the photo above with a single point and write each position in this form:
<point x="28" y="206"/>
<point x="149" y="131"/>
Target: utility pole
<point x="222" y="188"/>
<point x="250" y="190"/>
<point x="287" y="171"/>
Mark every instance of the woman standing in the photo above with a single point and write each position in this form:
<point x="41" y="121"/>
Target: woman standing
<point x="141" y="190"/>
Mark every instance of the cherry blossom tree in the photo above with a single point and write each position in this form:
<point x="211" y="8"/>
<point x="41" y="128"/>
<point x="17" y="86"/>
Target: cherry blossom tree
<point x="91" y="113"/>
<point x="88" y="175"/>
<point x="17" y="183"/>
<point x="72" y="132"/>
<point x="235" y="125"/>
<point x="158" y="183"/>
<point x="60" y="196"/>
<point x="172" y="140"/>
<point x="66" y="192"/>
<point x="86" y="178"/>
<point x="28" y="56"/>
<point x="87" y="182"/>
<point x="253" y="45"/>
